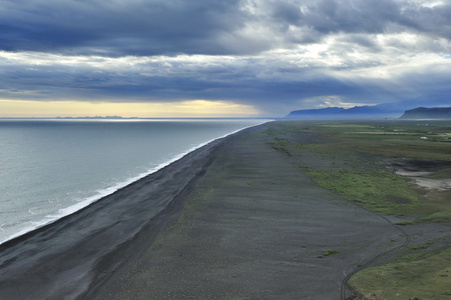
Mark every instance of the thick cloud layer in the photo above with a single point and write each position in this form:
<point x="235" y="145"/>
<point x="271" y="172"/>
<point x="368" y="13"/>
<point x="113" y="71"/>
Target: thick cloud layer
<point x="276" y="55"/>
<point x="122" y="27"/>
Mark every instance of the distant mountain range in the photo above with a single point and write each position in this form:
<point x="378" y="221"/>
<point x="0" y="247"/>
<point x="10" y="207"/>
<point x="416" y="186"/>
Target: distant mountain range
<point x="356" y="112"/>
<point x="427" y="113"/>
<point x="96" y="117"/>
<point x="370" y="112"/>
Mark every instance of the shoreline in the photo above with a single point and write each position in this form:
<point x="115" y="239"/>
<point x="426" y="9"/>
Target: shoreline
<point x="234" y="219"/>
<point x="48" y="220"/>
<point x="36" y="260"/>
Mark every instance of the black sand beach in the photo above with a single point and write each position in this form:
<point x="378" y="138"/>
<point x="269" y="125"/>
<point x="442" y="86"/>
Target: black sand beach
<point x="234" y="219"/>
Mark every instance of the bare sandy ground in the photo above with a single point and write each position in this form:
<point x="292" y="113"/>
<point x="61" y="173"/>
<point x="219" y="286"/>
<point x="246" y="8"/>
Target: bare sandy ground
<point x="428" y="183"/>
<point x="234" y="220"/>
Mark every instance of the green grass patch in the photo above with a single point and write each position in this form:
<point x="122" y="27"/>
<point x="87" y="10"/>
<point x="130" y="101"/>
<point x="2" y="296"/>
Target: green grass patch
<point x="425" y="275"/>
<point x="390" y="138"/>
<point x="378" y="190"/>
<point x="352" y="155"/>
<point x="328" y="252"/>
<point x="420" y="247"/>
<point x="281" y="145"/>
<point x="438" y="217"/>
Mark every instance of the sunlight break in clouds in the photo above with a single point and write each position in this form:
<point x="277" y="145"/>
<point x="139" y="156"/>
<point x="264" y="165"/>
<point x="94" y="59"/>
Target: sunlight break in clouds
<point x="193" y="109"/>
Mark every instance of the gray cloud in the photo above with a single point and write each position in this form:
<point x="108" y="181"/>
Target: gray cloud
<point x="319" y="19"/>
<point x="277" y="55"/>
<point x="434" y="21"/>
<point x="212" y="27"/>
<point x="273" y="85"/>
<point x="119" y="27"/>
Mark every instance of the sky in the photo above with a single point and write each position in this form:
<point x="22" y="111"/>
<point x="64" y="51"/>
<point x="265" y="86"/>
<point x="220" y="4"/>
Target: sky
<point x="220" y="58"/>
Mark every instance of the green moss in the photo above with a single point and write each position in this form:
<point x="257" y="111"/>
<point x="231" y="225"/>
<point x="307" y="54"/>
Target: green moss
<point x="378" y="190"/>
<point x="424" y="275"/>
<point x="281" y="145"/>
<point x="419" y="247"/>
<point x="330" y="252"/>
<point x="352" y="161"/>
<point x="438" y="217"/>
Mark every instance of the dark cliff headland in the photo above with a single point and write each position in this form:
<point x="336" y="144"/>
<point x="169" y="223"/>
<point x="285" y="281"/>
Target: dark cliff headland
<point x="427" y="113"/>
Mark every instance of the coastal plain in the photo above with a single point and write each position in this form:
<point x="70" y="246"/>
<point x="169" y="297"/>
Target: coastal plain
<point x="284" y="210"/>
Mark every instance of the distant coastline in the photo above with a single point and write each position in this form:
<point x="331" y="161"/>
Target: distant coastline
<point x="97" y="117"/>
<point x="356" y="112"/>
<point x="70" y="118"/>
<point x="136" y="118"/>
<point x="370" y="112"/>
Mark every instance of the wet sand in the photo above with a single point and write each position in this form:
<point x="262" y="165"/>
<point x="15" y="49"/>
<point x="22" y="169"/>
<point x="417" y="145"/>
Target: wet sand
<point x="232" y="220"/>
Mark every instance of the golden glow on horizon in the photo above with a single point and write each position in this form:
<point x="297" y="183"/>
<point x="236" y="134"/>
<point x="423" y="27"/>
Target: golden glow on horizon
<point x="183" y="109"/>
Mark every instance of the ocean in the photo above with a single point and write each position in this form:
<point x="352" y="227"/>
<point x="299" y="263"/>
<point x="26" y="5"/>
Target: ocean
<point x="52" y="168"/>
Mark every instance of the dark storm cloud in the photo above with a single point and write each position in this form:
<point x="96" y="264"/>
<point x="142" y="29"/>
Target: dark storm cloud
<point x="170" y="27"/>
<point x="118" y="27"/>
<point x="276" y="55"/>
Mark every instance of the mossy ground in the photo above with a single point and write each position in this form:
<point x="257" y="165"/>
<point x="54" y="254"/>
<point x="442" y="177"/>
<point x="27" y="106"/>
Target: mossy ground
<point x="355" y="155"/>
<point x="424" y="275"/>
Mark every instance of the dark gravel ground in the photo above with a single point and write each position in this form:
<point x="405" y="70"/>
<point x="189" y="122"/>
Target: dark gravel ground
<point x="234" y="220"/>
<point x="255" y="226"/>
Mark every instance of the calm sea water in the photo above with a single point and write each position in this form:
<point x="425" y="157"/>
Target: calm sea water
<point x="52" y="168"/>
